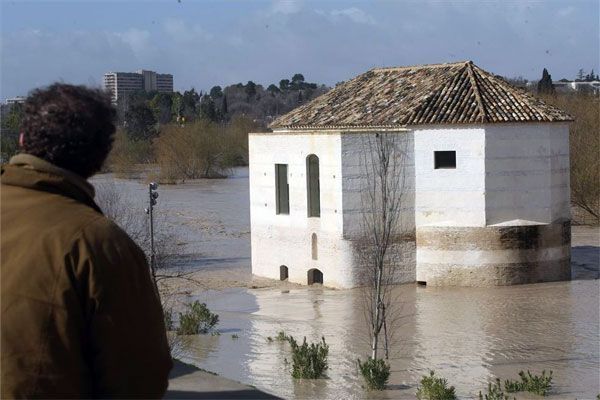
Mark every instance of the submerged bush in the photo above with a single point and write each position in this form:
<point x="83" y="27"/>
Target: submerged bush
<point x="193" y="151"/>
<point x="309" y="361"/>
<point x="198" y="319"/>
<point x="375" y="372"/>
<point x="434" y="388"/>
<point x="537" y="384"/>
<point x="127" y="154"/>
<point x="494" y="392"/>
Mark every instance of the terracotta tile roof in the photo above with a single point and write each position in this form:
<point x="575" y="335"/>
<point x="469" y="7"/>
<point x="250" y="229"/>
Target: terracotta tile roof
<point x="457" y="93"/>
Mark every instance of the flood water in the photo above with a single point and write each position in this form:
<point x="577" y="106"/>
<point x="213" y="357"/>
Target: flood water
<point x="468" y="335"/>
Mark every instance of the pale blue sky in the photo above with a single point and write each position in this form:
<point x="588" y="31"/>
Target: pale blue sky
<point x="205" y="43"/>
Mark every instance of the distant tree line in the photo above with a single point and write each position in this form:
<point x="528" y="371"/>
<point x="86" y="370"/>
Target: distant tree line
<point x="10" y="123"/>
<point x="140" y="113"/>
<point x="589" y="77"/>
<point x="545" y="84"/>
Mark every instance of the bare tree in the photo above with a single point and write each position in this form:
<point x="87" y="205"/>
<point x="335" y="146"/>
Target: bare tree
<point x="381" y="234"/>
<point x="584" y="143"/>
<point x="132" y="218"/>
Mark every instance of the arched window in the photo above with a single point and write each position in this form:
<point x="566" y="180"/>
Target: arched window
<point x="283" y="273"/>
<point x="314" y="276"/>
<point x="315" y="250"/>
<point x="312" y="186"/>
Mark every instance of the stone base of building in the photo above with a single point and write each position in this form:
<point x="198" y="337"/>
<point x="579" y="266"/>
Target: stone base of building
<point x="493" y="255"/>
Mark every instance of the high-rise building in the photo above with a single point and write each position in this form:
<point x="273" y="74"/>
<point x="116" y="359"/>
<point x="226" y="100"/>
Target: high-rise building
<point x="121" y="83"/>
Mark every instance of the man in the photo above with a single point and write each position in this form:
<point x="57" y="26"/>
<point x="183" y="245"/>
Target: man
<point x="80" y="314"/>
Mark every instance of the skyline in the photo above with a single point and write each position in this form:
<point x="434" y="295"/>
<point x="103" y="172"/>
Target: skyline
<point x="220" y="43"/>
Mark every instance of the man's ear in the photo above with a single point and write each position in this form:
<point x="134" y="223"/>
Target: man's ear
<point x="21" y="139"/>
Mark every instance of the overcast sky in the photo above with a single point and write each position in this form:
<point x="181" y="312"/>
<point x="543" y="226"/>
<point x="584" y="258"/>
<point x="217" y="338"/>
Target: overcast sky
<point x="205" y="43"/>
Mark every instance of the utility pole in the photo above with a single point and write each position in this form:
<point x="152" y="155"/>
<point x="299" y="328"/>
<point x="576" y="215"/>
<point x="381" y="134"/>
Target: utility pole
<point x="152" y="196"/>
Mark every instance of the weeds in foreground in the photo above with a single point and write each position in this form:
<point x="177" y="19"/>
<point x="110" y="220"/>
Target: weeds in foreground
<point x="375" y="373"/>
<point x="197" y="319"/>
<point x="494" y="392"/>
<point x="537" y="384"/>
<point x="434" y="388"/>
<point x="309" y="361"/>
<point x="282" y="337"/>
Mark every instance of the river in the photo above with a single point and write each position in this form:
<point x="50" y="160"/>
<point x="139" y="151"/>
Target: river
<point x="468" y="335"/>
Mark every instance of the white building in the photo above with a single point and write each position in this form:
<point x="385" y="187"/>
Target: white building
<point x="592" y="87"/>
<point x="16" y="100"/>
<point x="486" y="180"/>
<point x="121" y="83"/>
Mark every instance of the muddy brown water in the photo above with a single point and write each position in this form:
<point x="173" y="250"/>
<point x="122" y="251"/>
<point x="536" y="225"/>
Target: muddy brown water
<point x="468" y="335"/>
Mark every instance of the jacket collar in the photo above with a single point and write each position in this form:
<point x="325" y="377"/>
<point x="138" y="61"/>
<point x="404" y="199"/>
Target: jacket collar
<point x="35" y="173"/>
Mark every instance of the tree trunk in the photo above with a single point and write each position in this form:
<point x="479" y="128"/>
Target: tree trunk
<point x="376" y="324"/>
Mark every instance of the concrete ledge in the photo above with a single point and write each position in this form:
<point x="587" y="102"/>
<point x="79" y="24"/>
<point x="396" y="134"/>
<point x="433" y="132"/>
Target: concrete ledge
<point x="188" y="382"/>
<point x="495" y="237"/>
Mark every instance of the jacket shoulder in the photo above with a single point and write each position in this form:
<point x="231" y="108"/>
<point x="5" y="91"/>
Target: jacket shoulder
<point x="104" y="235"/>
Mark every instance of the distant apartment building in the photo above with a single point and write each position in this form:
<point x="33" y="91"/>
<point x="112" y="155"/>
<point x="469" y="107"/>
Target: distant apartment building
<point x="9" y="104"/>
<point x="121" y="83"/>
<point x="16" y="100"/>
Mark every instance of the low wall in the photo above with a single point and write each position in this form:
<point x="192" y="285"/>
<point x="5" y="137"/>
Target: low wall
<point x="493" y="255"/>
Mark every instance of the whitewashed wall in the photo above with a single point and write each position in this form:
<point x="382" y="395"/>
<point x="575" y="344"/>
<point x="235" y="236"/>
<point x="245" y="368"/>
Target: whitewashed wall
<point x="355" y="146"/>
<point x="286" y="239"/>
<point x="560" y="168"/>
<point x="527" y="172"/>
<point x="506" y="174"/>
<point x="451" y="197"/>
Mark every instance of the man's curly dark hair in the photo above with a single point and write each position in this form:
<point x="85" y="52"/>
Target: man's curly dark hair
<point x="69" y="126"/>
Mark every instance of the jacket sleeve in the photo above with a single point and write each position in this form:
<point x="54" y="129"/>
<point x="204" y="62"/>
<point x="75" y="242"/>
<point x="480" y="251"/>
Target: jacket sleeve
<point x="127" y="345"/>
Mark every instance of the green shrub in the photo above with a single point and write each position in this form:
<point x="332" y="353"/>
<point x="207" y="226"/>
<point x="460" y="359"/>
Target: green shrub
<point x="198" y="319"/>
<point x="375" y="373"/>
<point x="434" y="388"/>
<point x="537" y="384"/>
<point x="309" y="361"/>
<point x="494" y="392"/>
<point x="281" y="336"/>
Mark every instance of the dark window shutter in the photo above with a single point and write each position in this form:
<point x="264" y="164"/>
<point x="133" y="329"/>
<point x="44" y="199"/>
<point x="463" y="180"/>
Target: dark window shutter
<point x="282" y="189"/>
<point x="314" y="201"/>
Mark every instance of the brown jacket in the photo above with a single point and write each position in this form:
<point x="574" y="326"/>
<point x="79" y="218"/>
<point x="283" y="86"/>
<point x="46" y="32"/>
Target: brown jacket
<point x="80" y="316"/>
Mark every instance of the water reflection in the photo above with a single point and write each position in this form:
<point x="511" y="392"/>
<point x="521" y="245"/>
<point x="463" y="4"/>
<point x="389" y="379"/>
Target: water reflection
<point x="468" y="335"/>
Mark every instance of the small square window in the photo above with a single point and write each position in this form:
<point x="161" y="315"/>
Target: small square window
<point x="444" y="159"/>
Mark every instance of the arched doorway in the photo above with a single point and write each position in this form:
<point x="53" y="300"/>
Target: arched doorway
<point x="283" y="273"/>
<point x="314" y="276"/>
